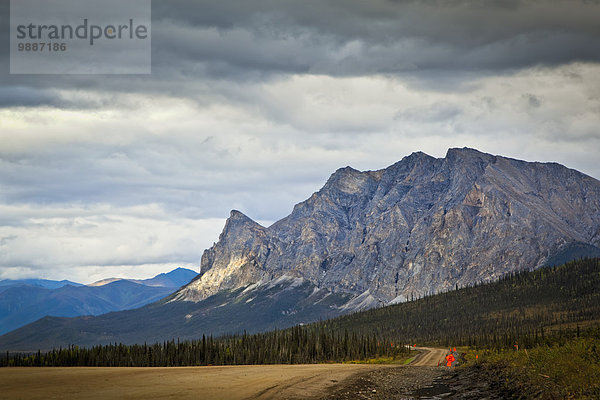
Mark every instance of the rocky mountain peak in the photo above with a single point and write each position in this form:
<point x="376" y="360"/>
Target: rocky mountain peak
<point x="418" y="157"/>
<point x="417" y="162"/>
<point x="421" y="225"/>
<point x="468" y="154"/>
<point x="475" y="161"/>
<point x="350" y="180"/>
<point x="237" y="218"/>
<point x="238" y="224"/>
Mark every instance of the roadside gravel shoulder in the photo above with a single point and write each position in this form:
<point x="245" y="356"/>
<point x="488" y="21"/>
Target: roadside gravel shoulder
<point x="389" y="383"/>
<point x="415" y="382"/>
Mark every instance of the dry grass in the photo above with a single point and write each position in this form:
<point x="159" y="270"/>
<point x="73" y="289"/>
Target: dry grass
<point x="570" y="369"/>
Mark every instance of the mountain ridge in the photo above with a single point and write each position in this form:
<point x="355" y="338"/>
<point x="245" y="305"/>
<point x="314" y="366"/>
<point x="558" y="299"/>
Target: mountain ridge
<point x="421" y="225"/>
<point x="22" y="303"/>
<point x="41" y="283"/>
<point x="175" y="278"/>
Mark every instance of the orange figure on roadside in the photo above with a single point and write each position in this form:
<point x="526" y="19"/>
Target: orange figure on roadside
<point x="450" y="358"/>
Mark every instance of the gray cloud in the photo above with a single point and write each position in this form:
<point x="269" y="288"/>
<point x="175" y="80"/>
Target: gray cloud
<point x="354" y="38"/>
<point x="251" y="105"/>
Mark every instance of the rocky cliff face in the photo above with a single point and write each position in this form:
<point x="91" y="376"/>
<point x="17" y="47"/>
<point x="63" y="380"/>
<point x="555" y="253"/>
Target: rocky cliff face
<point x="419" y="226"/>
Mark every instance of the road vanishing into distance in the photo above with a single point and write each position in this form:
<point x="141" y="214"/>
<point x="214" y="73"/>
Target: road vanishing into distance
<point x="429" y="357"/>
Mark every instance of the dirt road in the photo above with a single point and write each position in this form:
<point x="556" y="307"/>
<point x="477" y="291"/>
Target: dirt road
<point x="258" y="382"/>
<point x="229" y="382"/>
<point x="430" y="357"/>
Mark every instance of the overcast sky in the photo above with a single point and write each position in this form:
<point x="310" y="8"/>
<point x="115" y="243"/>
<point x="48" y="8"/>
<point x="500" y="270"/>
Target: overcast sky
<point x="252" y="104"/>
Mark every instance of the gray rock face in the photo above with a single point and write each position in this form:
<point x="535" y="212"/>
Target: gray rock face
<point x="421" y="225"/>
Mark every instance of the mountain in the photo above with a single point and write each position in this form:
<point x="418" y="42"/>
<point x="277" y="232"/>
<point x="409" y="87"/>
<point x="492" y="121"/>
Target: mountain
<point x="41" y="283"/>
<point x="174" y="279"/>
<point x="22" y="303"/>
<point x="286" y="301"/>
<point x="422" y="225"/>
<point x="106" y="281"/>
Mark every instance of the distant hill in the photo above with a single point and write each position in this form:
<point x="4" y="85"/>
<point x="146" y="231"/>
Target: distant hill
<point x="25" y="301"/>
<point x="175" y="279"/>
<point x="573" y="251"/>
<point x="41" y="283"/>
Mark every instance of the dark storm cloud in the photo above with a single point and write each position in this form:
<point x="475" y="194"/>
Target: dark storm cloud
<point x="356" y="37"/>
<point x="426" y="43"/>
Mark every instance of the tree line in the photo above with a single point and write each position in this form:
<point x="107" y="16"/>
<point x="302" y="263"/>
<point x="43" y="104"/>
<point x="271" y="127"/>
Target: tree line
<point x="297" y="345"/>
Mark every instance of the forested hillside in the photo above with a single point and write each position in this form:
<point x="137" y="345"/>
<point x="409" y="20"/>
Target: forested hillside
<point x="523" y="306"/>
